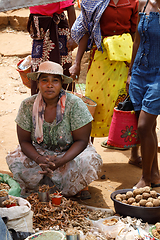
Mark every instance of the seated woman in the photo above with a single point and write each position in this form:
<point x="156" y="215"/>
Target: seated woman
<point x="53" y="129"/>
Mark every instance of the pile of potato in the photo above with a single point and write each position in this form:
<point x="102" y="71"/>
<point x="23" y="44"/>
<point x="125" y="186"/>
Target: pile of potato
<point x="156" y="231"/>
<point x="142" y="197"/>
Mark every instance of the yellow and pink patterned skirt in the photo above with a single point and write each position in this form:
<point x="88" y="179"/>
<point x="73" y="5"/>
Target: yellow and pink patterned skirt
<point x="106" y="85"/>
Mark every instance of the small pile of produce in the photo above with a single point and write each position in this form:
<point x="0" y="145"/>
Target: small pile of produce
<point x="10" y="202"/>
<point x="69" y="214"/>
<point x="156" y="230"/>
<point x="44" y="188"/>
<point x="141" y="197"/>
<point x="4" y="186"/>
<point x="3" y="193"/>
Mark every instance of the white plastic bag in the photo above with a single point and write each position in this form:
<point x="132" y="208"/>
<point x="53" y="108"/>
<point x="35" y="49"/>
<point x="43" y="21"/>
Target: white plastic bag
<point x="20" y="217"/>
<point x="110" y="231"/>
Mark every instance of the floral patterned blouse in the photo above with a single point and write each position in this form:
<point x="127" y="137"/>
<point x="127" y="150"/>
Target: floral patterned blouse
<point x="57" y="138"/>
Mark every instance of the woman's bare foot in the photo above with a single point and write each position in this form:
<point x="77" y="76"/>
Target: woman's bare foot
<point x="136" y="161"/>
<point x="142" y="183"/>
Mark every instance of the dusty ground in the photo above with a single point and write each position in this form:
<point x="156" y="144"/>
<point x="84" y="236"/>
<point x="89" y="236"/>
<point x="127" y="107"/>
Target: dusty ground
<point x="14" y="45"/>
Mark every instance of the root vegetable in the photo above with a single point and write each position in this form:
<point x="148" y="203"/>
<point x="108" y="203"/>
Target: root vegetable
<point x="142" y="202"/>
<point x="131" y="200"/>
<point x="129" y="194"/>
<point x="145" y="195"/>
<point x="136" y="192"/>
<point x="149" y="204"/>
<point x="138" y="198"/>
<point x="153" y="193"/>
<point x="156" y="202"/>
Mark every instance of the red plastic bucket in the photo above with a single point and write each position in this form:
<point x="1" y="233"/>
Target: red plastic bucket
<point x="23" y="74"/>
<point x="123" y="129"/>
<point x="56" y="199"/>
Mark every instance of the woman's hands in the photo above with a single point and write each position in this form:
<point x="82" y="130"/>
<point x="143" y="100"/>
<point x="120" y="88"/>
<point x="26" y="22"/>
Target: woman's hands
<point x="75" y="71"/>
<point x="49" y="164"/>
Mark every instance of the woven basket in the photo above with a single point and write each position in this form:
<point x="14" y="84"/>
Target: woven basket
<point x="23" y="74"/>
<point x="89" y="102"/>
<point x="123" y="129"/>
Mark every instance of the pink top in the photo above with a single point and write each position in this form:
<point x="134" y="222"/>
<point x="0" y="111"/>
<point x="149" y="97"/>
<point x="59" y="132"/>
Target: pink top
<point x="49" y="9"/>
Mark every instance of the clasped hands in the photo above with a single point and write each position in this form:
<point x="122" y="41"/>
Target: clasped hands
<point x="48" y="164"/>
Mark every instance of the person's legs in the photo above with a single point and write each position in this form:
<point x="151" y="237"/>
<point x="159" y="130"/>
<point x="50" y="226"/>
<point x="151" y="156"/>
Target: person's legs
<point x="135" y="159"/>
<point x="155" y="177"/>
<point x="148" y="139"/>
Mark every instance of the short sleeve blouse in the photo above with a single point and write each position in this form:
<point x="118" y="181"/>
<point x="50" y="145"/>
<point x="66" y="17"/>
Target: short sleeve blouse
<point x="120" y="18"/>
<point x="56" y="136"/>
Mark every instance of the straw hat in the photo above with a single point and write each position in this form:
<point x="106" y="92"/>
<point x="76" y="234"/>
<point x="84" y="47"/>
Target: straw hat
<point x="50" y="68"/>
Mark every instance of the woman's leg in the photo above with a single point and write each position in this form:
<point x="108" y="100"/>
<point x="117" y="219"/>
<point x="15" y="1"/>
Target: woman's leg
<point x="135" y="159"/>
<point x="148" y="139"/>
<point x="155" y="177"/>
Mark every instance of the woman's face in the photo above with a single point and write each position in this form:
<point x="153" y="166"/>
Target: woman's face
<point x="50" y="85"/>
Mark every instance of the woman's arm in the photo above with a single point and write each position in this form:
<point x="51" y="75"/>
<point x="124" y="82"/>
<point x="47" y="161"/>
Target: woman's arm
<point x="71" y="15"/>
<point x="134" y="52"/>
<point x="80" y="138"/>
<point x="28" y="149"/>
<point x="75" y="69"/>
<point x="71" y="44"/>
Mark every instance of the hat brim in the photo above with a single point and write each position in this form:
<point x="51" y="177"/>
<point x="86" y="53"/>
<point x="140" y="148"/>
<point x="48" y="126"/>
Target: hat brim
<point x="34" y="75"/>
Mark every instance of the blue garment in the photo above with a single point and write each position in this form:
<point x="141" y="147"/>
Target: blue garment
<point x="89" y="22"/>
<point x="144" y="87"/>
<point x="4" y="233"/>
<point x="148" y="54"/>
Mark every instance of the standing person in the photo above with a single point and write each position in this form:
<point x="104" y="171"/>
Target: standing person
<point x="144" y="88"/>
<point x="50" y="31"/>
<point x="106" y="80"/>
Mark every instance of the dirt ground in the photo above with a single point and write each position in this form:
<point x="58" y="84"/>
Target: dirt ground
<point x="14" y="45"/>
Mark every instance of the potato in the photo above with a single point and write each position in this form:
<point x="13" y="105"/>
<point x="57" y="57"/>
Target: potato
<point x="138" y="198"/>
<point x="134" y="204"/>
<point x="123" y="196"/>
<point x="129" y="194"/>
<point x="159" y="197"/>
<point x="119" y="197"/>
<point x="153" y="193"/>
<point x="149" y="204"/>
<point x="146" y="189"/>
<point x="142" y="202"/>
<point x="156" y="202"/>
<point x="141" y="190"/>
<point x="136" y="192"/>
<point x="150" y="199"/>
<point x="145" y="195"/>
<point x="124" y="201"/>
<point x="130" y="200"/>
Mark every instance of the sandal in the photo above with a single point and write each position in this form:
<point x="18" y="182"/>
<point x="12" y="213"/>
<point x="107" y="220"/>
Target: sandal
<point x="137" y="162"/>
<point x="105" y="145"/>
<point x="83" y="195"/>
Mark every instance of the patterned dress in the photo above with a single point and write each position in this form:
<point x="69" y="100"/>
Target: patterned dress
<point x="49" y="29"/>
<point x="57" y="139"/>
